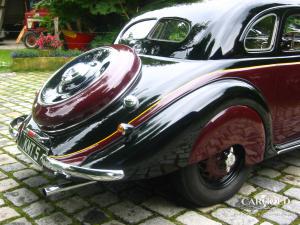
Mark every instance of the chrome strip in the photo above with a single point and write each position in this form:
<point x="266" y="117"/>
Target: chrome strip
<point x="81" y="172"/>
<point x="285" y="148"/>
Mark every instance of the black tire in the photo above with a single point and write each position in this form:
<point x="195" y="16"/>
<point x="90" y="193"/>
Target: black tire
<point x="30" y="39"/>
<point x="196" y="190"/>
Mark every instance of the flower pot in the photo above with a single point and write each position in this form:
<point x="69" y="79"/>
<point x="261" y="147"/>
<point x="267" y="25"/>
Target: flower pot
<point x="78" y="40"/>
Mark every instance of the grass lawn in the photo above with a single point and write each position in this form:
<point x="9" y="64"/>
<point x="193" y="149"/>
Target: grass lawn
<point x="5" y="60"/>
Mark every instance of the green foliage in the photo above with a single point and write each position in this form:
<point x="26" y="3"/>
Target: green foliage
<point x="291" y="22"/>
<point x="103" y="39"/>
<point x="32" y="53"/>
<point x="5" y="60"/>
<point x="69" y="10"/>
<point x="158" y="4"/>
<point x="46" y="21"/>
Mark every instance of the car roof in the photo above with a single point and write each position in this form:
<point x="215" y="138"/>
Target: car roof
<point x="212" y="9"/>
<point x="224" y="21"/>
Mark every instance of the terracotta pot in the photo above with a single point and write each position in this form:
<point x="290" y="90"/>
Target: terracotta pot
<point x="78" y="40"/>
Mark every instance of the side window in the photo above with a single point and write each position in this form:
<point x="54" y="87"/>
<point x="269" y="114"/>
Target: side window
<point x="170" y="30"/>
<point x="261" y="36"/>
<point x="291" y="34"/>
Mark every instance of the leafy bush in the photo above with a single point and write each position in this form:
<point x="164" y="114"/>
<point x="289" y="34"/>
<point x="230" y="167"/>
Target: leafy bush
<point x="103" y="39"/>
<point x="29" y="53"/>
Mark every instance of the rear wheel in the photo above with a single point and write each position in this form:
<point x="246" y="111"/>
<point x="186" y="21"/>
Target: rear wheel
<point x="30" y="39"/>
<point x="214" y="180"/>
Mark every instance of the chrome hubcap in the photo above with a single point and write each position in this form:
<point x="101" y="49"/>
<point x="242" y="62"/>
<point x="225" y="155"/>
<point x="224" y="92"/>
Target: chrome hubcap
<point x="230" y="161"/>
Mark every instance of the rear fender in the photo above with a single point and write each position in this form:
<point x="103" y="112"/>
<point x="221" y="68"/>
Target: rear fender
<point x="212" y="118"/>
<point x="236" y="125"/>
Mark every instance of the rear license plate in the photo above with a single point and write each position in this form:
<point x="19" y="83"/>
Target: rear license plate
<point x="31" y="148"/>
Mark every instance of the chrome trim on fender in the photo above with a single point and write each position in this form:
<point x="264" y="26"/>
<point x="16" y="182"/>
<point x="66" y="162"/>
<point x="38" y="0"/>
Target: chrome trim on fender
<point x="69" y="170"/>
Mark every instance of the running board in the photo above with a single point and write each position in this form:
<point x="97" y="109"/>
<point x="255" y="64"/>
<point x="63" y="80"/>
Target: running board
<point x="288" y="147"/>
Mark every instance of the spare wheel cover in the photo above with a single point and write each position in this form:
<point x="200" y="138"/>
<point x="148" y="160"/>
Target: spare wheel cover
<point x="85" y="86"/>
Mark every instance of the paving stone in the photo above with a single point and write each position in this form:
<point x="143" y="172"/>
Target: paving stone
<point x="293" y="206"/>
<point x="36" y="167"/>
<point x="21" y="221"/>
<point x="36" y="181"/>
<point x="293" y="192"/>
<point x="105" y="199"/>
<point x="117" y="187"/>
<point x="13" y="167"/>
<point x="271" y="197"/>
<point x="7" y="184"/>
<point x="23" y="174"/>
<point x="294" y="154"/>
<point x="60" y="196"/>
<point x="267" y="183"/>
<point x="292" y="170"/>
<point x="193" y="218"/>
<point x="244" y="203"/>
<point x="291" y="160"/>
<point x="73" y="204"/>
<point x="247" y="189"/>
<point x="209" y="208"/>
<point x="158" y="221"/>
<point x="90" y="190"/>
<point x="13" y="150"/>
<point x="6" y="159"/>
<point x="137" y="195"/>
<point x="55" y="218"/>
<point x="21" y="196"/>
<point x="269" y="173"/>
<point x="24" y="159"/>
<point x="37" y="208"/>
<point x="266" y="223"/>
<point x="234" y="217"/>
<point x="280" y="216"/>
<point x="274" y="163"/>
<point x="2" y="175"/>
<point x="7" y="213"/>
<point x="130" y="212"/>
<point x="291" y="180"/>
<point x="91" y="216"/>
<point x="2" y="202"/>
<point x="113" y="222"/>
<point x="163" y="207"/>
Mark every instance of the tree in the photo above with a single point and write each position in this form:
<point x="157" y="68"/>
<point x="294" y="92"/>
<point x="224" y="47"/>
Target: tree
<point x="78" y="12"/>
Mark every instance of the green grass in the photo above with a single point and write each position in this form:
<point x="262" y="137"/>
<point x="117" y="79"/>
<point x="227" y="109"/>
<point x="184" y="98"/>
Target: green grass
<point x="5" y="60"/>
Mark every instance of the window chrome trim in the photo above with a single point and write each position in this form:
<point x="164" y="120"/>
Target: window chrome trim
<point x="128" y="26"/>
<point x="274" y="35"/>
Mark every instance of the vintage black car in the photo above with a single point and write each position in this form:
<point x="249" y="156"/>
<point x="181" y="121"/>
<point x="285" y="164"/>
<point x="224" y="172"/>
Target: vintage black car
<point x="200" y="91"/>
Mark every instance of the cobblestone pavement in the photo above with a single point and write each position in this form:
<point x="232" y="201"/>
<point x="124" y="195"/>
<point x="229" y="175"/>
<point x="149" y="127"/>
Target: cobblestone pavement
<point x="143" y="202"/>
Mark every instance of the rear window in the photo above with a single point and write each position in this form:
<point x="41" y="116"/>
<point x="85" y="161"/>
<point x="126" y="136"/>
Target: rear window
<point x="171" y="30"/>
<point x="139" y="30"/>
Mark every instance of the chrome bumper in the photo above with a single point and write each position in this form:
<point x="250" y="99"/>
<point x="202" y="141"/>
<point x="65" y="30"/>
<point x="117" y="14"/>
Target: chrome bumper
<point x="65" y="169"/>
<point x="81" y="172"/>
<point x="14" y="126"/>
